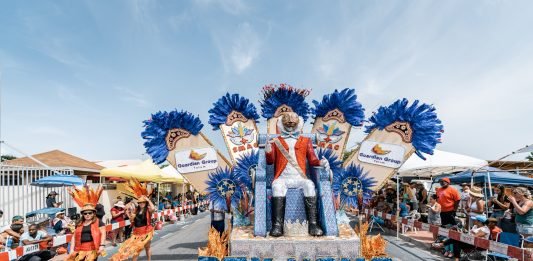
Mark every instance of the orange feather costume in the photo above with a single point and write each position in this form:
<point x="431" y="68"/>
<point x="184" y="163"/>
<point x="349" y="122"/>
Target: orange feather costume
<point x="86" y="198"/>
<point x="141" y="235"/>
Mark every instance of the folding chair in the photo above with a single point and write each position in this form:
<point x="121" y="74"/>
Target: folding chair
<point x="513" y="239"/>
<point x="414" y="215"/>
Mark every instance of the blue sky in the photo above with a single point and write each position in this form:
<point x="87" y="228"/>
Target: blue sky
<point x="81" y="76"/>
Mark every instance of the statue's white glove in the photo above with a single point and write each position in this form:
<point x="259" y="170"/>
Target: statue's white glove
<point x="324" y="163"/>
<point x="268" y="147"/>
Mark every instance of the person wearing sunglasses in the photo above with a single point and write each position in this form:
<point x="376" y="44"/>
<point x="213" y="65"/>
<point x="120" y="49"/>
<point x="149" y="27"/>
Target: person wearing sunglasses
<point x="523" y="207"/>
<point x="141" y="219"/>
<point x="89" y="236"/>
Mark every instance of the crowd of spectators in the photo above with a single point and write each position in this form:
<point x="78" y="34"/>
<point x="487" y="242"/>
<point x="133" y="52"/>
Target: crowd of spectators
<point x="468" y="209"/>
<point x="41" y="231"/>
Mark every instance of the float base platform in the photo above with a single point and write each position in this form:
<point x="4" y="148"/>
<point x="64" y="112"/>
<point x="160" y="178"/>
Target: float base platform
<point x="244" y="244"/>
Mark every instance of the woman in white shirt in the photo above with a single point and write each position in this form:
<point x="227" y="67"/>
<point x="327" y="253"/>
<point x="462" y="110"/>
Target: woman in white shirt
<point x="476" y="206"/>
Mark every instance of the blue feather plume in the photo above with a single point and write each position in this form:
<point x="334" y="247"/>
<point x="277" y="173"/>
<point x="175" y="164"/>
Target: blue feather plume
<point x="277" y="96"/>
<point x="346" y="102"/>
<point x="335" y="164"/>
<point x="427" y="128"/>
<point x="228" y="103"/>
<point x="245" y="162"/>
<point x="219" y="183"/>
<point x="157" y="127"/>
<point x="343" y="185"/>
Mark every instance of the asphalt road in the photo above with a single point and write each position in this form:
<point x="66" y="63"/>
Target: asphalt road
<point x="181" y="242"/>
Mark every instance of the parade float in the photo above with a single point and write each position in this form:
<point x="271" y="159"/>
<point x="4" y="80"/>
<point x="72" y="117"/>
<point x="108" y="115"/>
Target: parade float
<point x="287" y="187"/>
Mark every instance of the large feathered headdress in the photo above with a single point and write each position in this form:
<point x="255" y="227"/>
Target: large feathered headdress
<point x="86" y="197"/>
<point x="138" y="189"/>
<point x="229" y="104"/>
<point x="422" y="118"/>
<point x="161" y="125"/>
<point x="346" y="102"/>
<point x="275" y="96"/>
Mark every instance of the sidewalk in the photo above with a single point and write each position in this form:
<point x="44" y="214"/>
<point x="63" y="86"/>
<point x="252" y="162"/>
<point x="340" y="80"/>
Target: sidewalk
<point x="422" y="239"/>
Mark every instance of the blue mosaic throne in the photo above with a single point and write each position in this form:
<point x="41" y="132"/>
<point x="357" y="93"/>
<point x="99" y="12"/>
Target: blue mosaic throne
<point x="294" y="207"/>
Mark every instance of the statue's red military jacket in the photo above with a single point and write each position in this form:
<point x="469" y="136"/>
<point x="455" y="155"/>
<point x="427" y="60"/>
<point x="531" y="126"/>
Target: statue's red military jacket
<point x="303" y="150"/>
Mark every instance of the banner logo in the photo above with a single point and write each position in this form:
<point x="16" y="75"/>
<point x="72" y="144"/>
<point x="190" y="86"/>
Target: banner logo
<point x="196" y="156"/>
<point x="193" y="160"/>
<point x="383" y="154"/>
<point x="379" y="151"/>
<point x="241" y="135"/>
<point x="329" y="133"/>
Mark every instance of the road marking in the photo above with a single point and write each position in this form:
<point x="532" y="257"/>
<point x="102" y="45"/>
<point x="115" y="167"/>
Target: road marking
<point x="165" y="235"/>
<point x="185" y="226"/>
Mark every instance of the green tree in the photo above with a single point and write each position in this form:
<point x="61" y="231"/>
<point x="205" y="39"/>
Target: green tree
<point x="6" y="157"/>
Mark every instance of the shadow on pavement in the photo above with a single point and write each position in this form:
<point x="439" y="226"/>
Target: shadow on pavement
<point x="190" y="245"/>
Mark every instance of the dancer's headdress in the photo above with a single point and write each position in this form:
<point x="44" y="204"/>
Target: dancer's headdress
<point x="86" y="197"/>
<point x="138" y="190"/>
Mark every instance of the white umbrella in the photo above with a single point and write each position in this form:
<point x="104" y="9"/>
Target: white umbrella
<point x="441" y="162"/>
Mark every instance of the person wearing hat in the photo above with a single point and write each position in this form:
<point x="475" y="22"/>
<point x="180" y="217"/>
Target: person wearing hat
<point x="390" y="196"/>
<point x="89" y="235"/>
<point x="480" y="229"/>
<point x="13" y="231"/>
<point x="494" y="229"/>
<point x="117" y="215"/>
<point x="61" y="223"/>
<point x="141" y="218"/>
<point x="51" y="200"/>
<point x="477" y="204"/>
<point x="448" y="198"/>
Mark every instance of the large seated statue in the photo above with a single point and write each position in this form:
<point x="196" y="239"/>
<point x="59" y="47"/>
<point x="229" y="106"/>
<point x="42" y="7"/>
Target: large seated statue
<point x="289" y="172"/>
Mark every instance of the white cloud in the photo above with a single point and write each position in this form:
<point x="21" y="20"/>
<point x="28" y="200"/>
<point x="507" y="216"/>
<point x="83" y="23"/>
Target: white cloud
<point x="141" y="11"/>
<point x="59" y="50"/>
<point x="245" y="48"/>
<point x="234" y="7"/>
<point x="132" y="96"/>
<point x="238" y="50"/>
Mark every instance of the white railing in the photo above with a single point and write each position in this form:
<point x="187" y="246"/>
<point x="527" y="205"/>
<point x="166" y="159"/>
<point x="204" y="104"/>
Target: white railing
<point x="18" y="197"/>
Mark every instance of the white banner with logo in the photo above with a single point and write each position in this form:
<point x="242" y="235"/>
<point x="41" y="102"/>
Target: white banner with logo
<point x="383" y="154"/>
<point x="194" y="160"/>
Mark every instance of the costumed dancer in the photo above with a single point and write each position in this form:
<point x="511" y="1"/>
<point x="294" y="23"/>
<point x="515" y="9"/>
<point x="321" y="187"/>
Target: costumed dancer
<point x="89" y="236"/>
<point x="289" y="154"/>
<point x="140" y="218"/>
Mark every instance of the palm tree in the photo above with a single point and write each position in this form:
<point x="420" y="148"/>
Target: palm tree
<point x="530" y="156"/>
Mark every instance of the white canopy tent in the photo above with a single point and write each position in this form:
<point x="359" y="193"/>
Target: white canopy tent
<point x="441" y="162"/>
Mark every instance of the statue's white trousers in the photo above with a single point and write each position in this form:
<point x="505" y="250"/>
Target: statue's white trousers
<point x="288" y="180"/>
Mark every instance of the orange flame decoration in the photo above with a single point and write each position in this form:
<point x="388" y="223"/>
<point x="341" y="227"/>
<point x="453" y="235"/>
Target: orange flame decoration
<point x="86" y="195"/>
<point x="371" y="246"/>
<point x="217" y="244"/>
<point x="137" y="188"/>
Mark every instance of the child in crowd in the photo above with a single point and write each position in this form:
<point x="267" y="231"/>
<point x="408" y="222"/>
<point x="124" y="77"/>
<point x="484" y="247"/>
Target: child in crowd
<point x="494" y="229"/>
